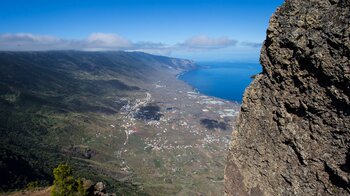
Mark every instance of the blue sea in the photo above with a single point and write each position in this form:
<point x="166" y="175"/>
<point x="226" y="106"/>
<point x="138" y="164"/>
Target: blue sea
<point x="224" y="80"/>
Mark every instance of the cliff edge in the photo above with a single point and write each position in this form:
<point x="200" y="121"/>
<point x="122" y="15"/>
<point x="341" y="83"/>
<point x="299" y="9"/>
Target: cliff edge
<point x="293" y="132"/>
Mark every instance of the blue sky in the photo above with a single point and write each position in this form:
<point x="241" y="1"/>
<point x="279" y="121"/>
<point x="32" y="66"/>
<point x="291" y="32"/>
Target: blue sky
<point x="202" y="30"/>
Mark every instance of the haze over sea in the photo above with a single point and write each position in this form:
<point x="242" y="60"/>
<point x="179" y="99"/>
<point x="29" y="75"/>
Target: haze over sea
<point x="224" y="80"/>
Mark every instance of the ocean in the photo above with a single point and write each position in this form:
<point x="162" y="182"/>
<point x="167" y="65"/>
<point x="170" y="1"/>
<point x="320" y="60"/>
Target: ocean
<point x="223" y="80"/>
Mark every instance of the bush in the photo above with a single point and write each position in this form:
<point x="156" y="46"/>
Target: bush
<point x="65" y="184"/>
<point x="33" y="185"/>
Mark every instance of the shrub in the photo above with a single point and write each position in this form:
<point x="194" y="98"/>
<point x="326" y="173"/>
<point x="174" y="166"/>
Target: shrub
<point x="65" y="184"/>
<point x="33" y="185"/>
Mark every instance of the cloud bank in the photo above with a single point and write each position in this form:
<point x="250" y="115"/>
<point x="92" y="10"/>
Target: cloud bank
<point x="107" y="41"/>
<point x="205" y="42"/>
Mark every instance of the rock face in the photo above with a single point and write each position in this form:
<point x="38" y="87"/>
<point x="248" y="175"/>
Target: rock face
<point x="293" y="133"/>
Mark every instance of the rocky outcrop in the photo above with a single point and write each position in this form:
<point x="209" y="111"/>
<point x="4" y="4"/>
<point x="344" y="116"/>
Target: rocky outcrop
<point x="293" y="133"/>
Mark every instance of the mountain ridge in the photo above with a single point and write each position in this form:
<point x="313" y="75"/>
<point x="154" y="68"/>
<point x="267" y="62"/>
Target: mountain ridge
<point x="38" y="89"/>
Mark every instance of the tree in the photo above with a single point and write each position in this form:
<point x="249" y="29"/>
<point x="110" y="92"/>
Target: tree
<point x="65" y="184"/>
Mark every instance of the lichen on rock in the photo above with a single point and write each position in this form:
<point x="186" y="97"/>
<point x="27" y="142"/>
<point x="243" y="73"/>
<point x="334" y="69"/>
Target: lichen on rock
<point x="293" y="133"/>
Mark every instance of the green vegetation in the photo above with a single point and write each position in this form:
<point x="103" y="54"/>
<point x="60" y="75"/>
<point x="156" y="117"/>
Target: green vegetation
<point x="50" y="101"/>
<point x="65" y="184"/>
<point x="64" y="107"/>
<point x="33" y="185"/>
<point x="54" y="106"/>
<point x="157" y="163"/>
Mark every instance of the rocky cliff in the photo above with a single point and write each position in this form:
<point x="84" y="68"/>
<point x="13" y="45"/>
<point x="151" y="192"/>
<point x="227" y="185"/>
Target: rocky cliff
<point x="293" y="133"/>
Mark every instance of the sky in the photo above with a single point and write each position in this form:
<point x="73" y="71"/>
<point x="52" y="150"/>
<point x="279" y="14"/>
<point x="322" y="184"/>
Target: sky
<point x="202" y="30"/>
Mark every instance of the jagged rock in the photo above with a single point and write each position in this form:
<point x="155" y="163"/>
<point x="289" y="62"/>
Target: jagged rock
<point x="99" y="189"/>
<point x="293" y="132"/>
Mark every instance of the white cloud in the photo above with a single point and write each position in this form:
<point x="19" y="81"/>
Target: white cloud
<point x="27" y="41"/>
<point x="107" y="41"/>
<point x="205" y="42"/>
<point x="149" y="45"/>
<point x="27" y="38"/>
<point x="251" y="44"/>
<point x="96" y="41"/>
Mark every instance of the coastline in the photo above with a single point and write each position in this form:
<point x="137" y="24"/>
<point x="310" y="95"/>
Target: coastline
<point x="223" y="81"/>
<point x="195" y="89"/>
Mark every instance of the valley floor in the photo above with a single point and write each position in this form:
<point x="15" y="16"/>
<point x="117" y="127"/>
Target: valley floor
<point x="175" y="139"/>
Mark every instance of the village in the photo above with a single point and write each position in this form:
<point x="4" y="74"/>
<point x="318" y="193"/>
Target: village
<point x="180" y="112"/>
<point x="175" y="131"/>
